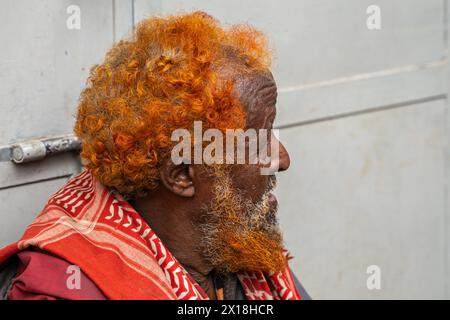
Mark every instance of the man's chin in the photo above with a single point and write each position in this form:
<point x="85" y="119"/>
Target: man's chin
<point x="255" y="251"/>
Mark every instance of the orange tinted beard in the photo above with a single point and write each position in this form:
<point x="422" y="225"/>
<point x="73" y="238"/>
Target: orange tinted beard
<point x="237" y="234"/>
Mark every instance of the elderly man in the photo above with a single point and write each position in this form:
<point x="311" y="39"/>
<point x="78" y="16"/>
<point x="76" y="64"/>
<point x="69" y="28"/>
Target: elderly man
<point x="136" y="224"/>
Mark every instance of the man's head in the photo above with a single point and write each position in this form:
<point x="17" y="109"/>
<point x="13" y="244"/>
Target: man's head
<point x="172" y="72"/>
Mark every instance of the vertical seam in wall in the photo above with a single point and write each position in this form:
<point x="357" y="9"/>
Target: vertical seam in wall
<point x="133" y="18"/>
<point x="446" y="159"/>
<point x="445" y="35"/>
<point x="114" y="19"/>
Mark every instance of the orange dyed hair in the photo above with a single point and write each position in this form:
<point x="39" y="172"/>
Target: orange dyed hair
<point x="166" y="76"/>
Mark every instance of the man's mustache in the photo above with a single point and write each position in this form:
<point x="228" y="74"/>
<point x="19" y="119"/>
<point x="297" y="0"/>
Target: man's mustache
<point x="272" y="183"/>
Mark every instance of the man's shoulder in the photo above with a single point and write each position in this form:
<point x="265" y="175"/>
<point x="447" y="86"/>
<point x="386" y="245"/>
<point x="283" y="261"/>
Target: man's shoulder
<point x="39" y="275"/>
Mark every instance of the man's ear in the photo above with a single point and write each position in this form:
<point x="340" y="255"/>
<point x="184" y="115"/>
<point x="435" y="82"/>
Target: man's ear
<point x="178" y="178"/>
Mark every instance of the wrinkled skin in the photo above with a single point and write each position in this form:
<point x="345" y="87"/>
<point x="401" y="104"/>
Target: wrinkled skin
<point x="175" y="206"/>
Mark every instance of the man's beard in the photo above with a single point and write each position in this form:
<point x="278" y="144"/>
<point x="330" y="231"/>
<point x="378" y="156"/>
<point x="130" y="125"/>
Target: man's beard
<point x="239" y="234"/>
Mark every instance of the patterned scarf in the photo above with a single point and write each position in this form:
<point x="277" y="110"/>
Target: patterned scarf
<point x="97" y="230"/>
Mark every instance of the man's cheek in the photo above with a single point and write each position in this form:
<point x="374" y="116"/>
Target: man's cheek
<point x="251" y="183"/>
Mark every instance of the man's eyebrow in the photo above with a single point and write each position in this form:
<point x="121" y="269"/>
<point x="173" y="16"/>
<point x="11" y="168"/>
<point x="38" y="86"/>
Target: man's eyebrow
<point x="270" y="118"/>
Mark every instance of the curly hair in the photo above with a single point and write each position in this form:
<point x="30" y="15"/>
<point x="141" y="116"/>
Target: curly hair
<point x="164" y="77"/>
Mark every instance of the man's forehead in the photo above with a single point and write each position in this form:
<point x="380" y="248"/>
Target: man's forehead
<point x="262" y="84"/>
<point x="258" y="95"/>
<point x="257" y="92"/>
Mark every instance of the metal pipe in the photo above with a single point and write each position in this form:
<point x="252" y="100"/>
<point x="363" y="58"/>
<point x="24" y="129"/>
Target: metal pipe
<point x="37" y="149"/>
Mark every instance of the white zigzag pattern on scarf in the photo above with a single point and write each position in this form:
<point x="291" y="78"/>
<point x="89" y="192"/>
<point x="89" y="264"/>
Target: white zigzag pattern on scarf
<point x="73" y="186"/>
<point x="253" y="293"/>
<point x="283" y="287"/>
<point x="82" y="187"/>
<point x="181" y="285"/>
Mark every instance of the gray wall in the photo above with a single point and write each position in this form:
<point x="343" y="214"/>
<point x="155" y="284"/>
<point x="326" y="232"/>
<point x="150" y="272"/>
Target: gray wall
<point x="363" y="113"/>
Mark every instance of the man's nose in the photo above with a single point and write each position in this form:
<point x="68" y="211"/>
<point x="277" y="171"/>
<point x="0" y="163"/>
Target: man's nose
<point x="280" y="161"/>
<point x="285" y="161"/>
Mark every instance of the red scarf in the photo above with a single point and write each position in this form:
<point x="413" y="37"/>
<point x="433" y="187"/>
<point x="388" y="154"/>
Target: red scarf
<point x="97" y="230"/>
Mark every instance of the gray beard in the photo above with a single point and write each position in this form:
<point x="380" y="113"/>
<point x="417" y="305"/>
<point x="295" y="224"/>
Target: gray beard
<point x="251" y="218"/>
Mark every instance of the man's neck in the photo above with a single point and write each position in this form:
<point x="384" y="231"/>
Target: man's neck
<point x="176" y="229"/>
